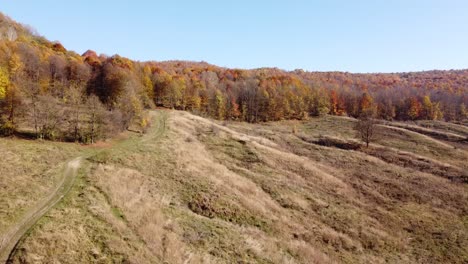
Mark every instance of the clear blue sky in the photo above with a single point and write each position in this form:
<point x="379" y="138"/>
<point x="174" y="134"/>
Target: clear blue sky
<point x="355" y="36"/>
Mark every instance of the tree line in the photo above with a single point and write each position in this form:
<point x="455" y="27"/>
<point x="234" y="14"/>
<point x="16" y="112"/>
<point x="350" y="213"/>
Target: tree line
<point x="53" y="93"/>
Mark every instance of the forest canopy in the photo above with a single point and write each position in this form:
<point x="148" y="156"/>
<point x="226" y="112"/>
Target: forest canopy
<point x="58" y="94"/>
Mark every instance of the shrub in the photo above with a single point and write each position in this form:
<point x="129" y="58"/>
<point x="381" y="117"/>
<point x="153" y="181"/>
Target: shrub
<point x="7" y="128"/>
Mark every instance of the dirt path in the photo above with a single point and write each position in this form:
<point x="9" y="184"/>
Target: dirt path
<point x="420" y="135"/>
<point x="9" y="240"/>
<point x="15" y="232"/>
<point x="159" y="119"/>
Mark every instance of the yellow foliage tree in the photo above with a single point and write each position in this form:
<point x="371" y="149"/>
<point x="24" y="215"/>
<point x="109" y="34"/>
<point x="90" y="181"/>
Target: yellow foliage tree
<point x="220" y="106"/>
<point x="14" y="64"/>
<point x="4" y="82"/>
<point x="428" y="108"/>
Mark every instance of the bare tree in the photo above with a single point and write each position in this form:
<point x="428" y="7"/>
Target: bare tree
<point x="12" y="103"/>
<point x="57" y="75"/>
<point x="96" y="117"/>
<point x="129" y="107"/>
<point x="31" y="62"/>
<point x="75" y="112"/>
<point x="50" y="115"/>
<point x="366" y="129"/>
<point x="78" y="73"/>
<point x="32" y="94"/>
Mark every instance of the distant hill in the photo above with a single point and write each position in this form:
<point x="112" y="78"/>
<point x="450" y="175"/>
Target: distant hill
<point x="206" y="164"/>
<point x="39" y="77"/>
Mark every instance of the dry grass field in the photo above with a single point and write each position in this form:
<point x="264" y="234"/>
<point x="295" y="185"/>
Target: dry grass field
<point x="193" y="190"/>
<point x="28" y="172"/>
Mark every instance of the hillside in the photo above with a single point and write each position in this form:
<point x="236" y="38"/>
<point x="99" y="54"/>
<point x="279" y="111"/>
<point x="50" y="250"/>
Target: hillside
<point x="110" y="160"/>
<point x="194" y="190"/>
<point x="49" y="92"/>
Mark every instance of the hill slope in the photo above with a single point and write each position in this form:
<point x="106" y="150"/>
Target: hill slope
<point x="49" y="92"/>
<point x="195" y="190"/>
<point x="198" y="191"/>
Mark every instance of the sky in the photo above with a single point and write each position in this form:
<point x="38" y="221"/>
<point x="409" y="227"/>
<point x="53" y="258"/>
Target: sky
<point x="353" y="36"/>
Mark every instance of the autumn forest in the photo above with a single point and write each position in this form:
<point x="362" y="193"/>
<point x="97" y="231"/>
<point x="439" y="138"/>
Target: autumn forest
<point x="47" y="91"/>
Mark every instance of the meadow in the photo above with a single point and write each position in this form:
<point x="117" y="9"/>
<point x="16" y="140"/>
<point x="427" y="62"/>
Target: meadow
<point x="194" y="190"/>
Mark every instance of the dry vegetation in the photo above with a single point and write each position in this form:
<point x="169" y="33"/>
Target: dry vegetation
<point x="193" y="190"/>
<point x="28" y="172"/>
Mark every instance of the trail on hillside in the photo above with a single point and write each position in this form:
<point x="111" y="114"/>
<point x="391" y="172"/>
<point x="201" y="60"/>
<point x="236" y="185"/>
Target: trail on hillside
<point x="9" y="240"/>
<point x="157" y="129"/>
<point x="16" y="232"/>
<point x="197" y="190"/>
<point x="436" y="141"/>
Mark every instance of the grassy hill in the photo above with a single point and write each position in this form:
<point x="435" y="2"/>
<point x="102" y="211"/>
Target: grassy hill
<point x="193" y="190"/>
